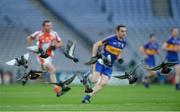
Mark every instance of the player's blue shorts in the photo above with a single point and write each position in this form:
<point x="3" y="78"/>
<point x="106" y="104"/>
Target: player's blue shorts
<point x="150" y="61"/>
<point x="103" y="69"/>
<point x="172" y="60"/>
<point x="172" y="56"/>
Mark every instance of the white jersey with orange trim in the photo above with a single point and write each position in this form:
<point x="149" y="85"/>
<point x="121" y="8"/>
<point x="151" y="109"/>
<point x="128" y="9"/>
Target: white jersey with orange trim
<point x="44" y="38"/>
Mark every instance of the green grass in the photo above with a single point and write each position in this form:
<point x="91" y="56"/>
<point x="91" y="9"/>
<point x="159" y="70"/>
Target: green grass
<point x="111" y="98"/>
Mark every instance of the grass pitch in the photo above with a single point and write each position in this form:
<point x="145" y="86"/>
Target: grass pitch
<point x="37" y="97"/>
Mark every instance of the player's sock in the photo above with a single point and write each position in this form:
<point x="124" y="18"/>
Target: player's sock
<point x="146" y="82"/>
<point x="86" y="99"/>
<point x="158" y="74"/>
<point x="177" y="86"/>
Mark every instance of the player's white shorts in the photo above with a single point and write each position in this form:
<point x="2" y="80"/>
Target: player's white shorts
<point x="43" y="61"/>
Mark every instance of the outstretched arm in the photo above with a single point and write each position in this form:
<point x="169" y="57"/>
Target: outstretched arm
<point x="119" y="59"/>
<point x="142" y="50"/>
<point x="58" y="40"/>
<point x="99" y="44"/>
<point x="30" y="40"/>
<point x="95" y="47"/>
<point x="59" y="44"/>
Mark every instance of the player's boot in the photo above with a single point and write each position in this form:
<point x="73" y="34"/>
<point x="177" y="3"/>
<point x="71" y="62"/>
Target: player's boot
<point x="86" y="99"/>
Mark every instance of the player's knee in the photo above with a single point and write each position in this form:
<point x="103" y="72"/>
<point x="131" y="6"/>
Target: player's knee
<point x="103" y="83"/>
<point x="94" y="79"/>
<point x="104" y="80"/>
<point x="99" y="87"/>
<point x="52" y="70"/>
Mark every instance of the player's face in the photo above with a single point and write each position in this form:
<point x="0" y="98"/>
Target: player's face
<point x="175" y="32"/>
<point x="122" y="32"/>
<point x="153" y="39"/>
<point x="47" y="27"/>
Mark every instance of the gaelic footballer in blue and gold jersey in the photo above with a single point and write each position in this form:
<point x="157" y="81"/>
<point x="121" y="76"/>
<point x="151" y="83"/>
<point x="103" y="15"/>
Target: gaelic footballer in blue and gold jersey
<point x="172" y="47"/>
<point x="112" y="47"/>
<point x="149" y="50"/>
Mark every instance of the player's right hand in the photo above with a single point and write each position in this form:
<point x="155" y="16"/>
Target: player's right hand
<point x="176" y="49"/>
<point x="53" y="48"/>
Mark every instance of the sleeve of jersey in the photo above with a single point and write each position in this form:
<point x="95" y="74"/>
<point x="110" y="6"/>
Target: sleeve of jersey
<point x="58" y="38"/>
<point x="104" y="41"/>
<point x="169" y="41"/>
<point x="157" y="47"/>
<point x="124" y="44"/>
<point x="145" y="46"/>
<point x="34" y="35"/>
<point x="179" y="41"/>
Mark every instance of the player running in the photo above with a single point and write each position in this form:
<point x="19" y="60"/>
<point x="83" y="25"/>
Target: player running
<point x="112" y="47"/>
<point x="172" y="47"/>
<point x="149" y="50"/>
<point x="49" y="38"/>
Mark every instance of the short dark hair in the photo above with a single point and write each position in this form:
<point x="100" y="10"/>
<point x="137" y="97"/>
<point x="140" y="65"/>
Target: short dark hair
<point x="151" y="35"/>
<point x="45" y="21"/>
<point x="173" y="28"/>
<point x="120" y="26"/>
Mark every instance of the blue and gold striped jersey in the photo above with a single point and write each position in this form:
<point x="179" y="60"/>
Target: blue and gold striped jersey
<point x="172" y="43"/>
<point x="151" y="48"/>
<point x="113" y="46"/>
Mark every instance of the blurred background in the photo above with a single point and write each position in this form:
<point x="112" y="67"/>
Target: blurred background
<point x="86" y="21"/>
